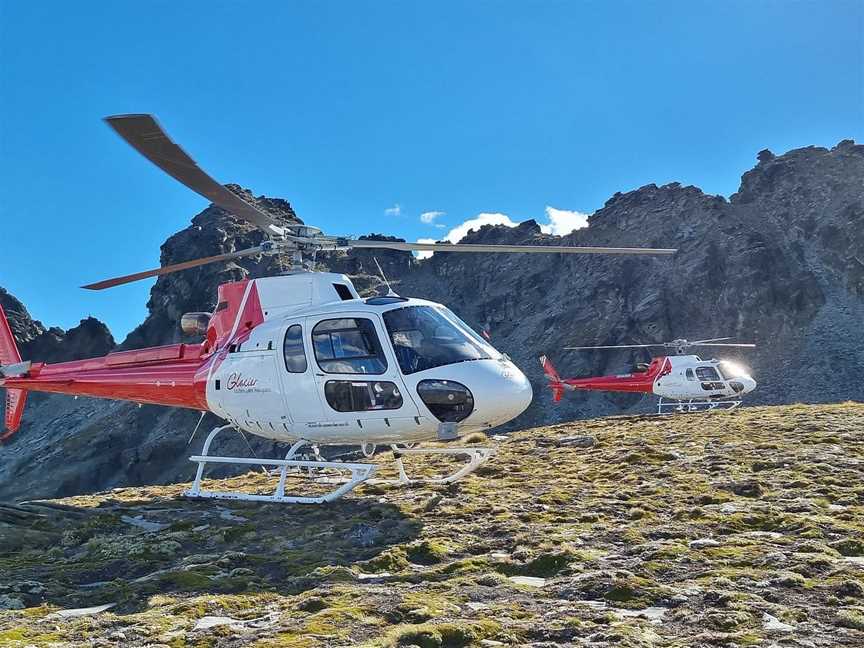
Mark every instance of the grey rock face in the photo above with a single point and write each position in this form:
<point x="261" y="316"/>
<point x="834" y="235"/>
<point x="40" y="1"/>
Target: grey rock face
<point x="90" y="338"/>
<point x="780" y="263"/>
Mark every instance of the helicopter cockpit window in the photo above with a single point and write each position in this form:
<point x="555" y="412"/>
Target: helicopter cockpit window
<point x="348" y="345"/>
<point x="707" y="373"/>
<point x="362" y="396"/>
<point x="295" y="356"/>
<point x="423" y="338"/>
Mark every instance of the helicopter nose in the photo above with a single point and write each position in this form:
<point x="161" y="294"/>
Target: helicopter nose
<point x="743" y="385"/>
<point x="502" y="395"/>
<point x="479" y="395"/>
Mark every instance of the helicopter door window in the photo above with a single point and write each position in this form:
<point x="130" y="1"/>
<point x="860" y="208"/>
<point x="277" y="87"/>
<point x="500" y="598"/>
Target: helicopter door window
<point x="295" y="355"/>
<point x="690" y="375"/>
<point x="707" y="374"/>
<point x="348" y="345"/>
<point x="357" y="396"/>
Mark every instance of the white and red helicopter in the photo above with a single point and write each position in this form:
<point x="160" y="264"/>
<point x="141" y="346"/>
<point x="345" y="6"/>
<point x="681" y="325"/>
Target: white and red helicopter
<point x="301" y="357"/>
<point x="686" y="382"/>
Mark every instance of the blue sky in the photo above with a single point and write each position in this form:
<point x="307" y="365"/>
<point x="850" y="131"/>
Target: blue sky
<point x="350" y="108"/>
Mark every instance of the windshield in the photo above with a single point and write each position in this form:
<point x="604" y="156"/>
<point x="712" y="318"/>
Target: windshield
<point x="423" y="338"/>
<point x="731" y="370"/>
<point x="484" y="344"/>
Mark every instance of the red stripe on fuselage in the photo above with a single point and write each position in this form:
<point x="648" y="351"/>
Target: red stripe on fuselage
<point x="174" y="375"/>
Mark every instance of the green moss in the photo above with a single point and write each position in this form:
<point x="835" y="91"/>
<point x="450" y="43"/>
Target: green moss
<point x="238" y="531"/>
<point x="440" y="635"/>
<point x="22" y="638"/>
<point x="548" y="564"/>
<point x="186" y="580"/>
<point x="312" y="604"/>
<point x="37" y="612"/>
<point x="12" y="635"/>
<point x="392" y="561"/>
<point x="427" y="552"/>
<point x="850" y="619"/>
<point x="849" y="546"/>
<point x="423" y="606"/>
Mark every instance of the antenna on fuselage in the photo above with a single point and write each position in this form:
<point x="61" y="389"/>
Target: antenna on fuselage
<point x="390" y="291"/>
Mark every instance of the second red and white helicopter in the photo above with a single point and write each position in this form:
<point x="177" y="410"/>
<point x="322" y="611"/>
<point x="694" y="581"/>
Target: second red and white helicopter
<point x="684" y="382"/>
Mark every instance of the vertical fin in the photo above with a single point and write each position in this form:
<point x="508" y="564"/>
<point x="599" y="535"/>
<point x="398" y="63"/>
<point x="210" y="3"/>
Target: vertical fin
<point x="15" y="401"/>
<point x="15" y="398"/>
<point x="554" y="379"/>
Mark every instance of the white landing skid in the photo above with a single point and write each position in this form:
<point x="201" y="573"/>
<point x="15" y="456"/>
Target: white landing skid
<point x="359" y="472"/>
<point x="678" y="406"/>
<point x="476" y="458"/>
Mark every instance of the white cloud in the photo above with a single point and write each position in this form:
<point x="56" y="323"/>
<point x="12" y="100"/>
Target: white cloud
<point x="424" y="255"/>
<point x="395" y="210"/>
<point x="429" y="217"/>
<point x="563" y="221"/>
<point x="458" y="233"/>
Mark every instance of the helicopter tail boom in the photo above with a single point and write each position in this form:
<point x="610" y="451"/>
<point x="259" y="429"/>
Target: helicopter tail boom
<point x="168" y="375"/>
<point x="639" y="382"/>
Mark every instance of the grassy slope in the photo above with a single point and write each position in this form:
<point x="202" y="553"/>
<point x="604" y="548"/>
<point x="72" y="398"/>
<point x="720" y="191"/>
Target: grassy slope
<point x="778" y="490"/>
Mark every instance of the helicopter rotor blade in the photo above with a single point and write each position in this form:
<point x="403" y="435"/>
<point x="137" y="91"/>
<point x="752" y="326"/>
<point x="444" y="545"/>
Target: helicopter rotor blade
<point x="521" y="249"/>
<point x="614" y="346"/>
<point x="147" y="137"/>
<point x="674" y="344"/>
<point x="185" y="265"/>
<point x="710" y="340"/>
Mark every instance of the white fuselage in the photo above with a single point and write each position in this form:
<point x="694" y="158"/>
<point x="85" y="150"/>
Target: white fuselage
<point x="332" y="372"/>
<point x="691" y="378"/>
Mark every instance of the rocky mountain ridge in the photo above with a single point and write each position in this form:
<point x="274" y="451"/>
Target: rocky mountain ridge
<point x="778" y="263"/>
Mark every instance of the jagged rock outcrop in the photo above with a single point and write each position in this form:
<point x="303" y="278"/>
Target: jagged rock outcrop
<point x="90" y="338"/>
<point x="780" y="263"/>
<point x="213" y="231"/>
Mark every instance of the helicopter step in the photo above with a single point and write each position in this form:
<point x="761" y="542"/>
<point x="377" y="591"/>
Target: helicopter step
<point x="670" y="406"/>
<point x="476" y="458"/>
<point x="359" y="473"/>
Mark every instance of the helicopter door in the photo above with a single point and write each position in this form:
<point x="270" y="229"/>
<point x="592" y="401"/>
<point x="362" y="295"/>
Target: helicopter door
<point x="298" y="378"/>
<point x="358" y="380"/>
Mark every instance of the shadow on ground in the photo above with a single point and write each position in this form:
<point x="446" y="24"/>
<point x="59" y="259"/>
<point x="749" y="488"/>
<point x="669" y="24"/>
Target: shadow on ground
<point x="123" y="549"/>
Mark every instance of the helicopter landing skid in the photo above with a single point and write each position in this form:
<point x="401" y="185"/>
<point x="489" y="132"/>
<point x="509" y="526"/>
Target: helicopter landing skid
<point x="359" y="472"/>
<point x="680" y="407"/>
<point x="476" y="458"/>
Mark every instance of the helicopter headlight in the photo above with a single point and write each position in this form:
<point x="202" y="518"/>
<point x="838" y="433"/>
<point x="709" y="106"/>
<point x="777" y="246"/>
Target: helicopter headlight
<point x="449" y="401"/>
